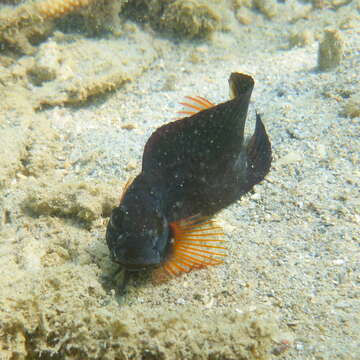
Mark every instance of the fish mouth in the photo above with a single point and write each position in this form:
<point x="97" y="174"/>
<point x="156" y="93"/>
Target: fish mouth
<point x="139" y="263"/>
<point x="138" y="267"/>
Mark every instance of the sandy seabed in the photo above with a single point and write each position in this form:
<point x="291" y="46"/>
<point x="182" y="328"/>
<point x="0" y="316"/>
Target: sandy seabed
<point x="74" y="118"/>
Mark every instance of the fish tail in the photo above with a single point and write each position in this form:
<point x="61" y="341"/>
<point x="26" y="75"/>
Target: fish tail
<point x="258" y="153"/>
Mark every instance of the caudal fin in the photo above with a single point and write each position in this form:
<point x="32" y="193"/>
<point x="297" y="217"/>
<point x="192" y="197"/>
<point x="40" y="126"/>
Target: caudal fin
<point x="258" y="153"/>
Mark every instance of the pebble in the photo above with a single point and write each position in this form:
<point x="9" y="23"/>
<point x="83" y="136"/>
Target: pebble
<point x="290" y="158"/>
<point x="342" y="305"/>
<point x="180" y="301"/>
<point x="339" y="262"/>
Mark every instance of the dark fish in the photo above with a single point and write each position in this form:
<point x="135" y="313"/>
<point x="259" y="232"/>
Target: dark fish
<point x="191" y="168"/>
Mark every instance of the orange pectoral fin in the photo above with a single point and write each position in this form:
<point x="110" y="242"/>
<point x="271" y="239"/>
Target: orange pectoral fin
<point x="197" y="243"/>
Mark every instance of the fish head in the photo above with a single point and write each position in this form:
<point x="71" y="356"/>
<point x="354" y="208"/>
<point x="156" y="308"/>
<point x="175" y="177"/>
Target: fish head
<point x="138" y="234"/>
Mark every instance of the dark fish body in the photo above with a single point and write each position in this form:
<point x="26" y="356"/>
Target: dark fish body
<point x="196" y="165"/>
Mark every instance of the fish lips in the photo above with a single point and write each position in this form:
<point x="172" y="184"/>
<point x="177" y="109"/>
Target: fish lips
<point x="138" y="262"/>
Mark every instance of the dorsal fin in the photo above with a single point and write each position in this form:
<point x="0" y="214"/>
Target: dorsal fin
<point x="199" y="104"/>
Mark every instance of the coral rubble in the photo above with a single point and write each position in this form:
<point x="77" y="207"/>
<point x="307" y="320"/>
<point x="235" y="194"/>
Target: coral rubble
<point x="21" y="25"/>
<point x="72" y="72"/>
<point x="184" y="18"/>
<point x="56" y="8"/>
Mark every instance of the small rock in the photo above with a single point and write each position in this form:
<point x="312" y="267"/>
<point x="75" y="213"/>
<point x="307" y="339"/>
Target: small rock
<point x="321" y="150"/>
<point x="331" y="50"/>
<point x="180" y="301"/>
<point x="342" y="305"/>
<point x="290" y="158"/>
<point x="267" y="7"/>
<point x="255" y="196"/>
<point x="47" y="64"/>
<point x="131" y="165"/>
<point x="352" y="106"/>
<point x="129" y="126"/>
<point x="170" y="83"/>
<point x="199" y="54"/>
<point x="301" y="38"/>
<point x="245" y="16"/>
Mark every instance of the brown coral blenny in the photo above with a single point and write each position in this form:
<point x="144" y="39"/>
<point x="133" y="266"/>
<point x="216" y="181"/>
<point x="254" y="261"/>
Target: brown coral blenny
<point x="191" y="169"/>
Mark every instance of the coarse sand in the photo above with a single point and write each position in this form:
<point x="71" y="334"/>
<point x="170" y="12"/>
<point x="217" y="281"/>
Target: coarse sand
<point x="74" y="118"/>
